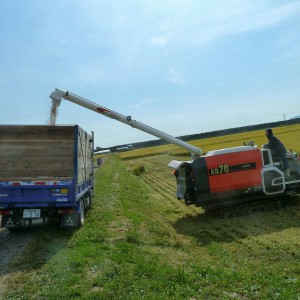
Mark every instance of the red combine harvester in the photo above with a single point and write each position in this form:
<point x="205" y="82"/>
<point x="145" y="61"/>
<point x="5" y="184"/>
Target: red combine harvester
<point x="229" y="181"/>
<point x="237" y="180"/>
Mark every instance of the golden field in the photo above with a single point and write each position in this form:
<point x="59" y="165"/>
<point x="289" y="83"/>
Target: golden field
<point x="289" y="135"/>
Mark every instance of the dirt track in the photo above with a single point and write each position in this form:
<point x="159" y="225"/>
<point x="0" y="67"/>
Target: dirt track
<point x="12" y="246"/>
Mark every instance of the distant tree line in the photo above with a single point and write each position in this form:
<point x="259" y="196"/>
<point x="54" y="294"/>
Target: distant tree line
<point x="203" y="135"/>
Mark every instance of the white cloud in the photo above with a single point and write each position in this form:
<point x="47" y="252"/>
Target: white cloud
<point x="159" y="41"/>
<point x="262" y="17"/>
<point x="143" y="102"/>
<point x="290" y="55"/>
<point x="175" y="77"/>
<point x="200" y="24"/>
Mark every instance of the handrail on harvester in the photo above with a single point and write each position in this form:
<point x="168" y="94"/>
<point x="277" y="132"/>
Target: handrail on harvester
<point x="59" y="94"/>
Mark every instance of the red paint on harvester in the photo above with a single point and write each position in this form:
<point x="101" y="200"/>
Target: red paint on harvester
<point x="230" y="181"/>
<point x="101" y="109"/>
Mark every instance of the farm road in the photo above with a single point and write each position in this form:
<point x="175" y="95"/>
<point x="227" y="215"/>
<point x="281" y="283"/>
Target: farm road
<point x="12" y="246"/>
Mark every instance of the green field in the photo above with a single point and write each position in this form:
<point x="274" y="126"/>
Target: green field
<point x="140" y="242"/>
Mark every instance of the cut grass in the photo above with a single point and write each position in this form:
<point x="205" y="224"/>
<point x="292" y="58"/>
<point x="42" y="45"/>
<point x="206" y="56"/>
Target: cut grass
<point x="138" y="243"/>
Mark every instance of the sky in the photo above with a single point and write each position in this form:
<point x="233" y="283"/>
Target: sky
<point x="180" y="66"/>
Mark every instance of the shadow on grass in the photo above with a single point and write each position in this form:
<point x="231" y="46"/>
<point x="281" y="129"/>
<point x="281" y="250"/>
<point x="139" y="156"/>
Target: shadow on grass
<point x="208" y="228"/>
<point x="30" y="248"/>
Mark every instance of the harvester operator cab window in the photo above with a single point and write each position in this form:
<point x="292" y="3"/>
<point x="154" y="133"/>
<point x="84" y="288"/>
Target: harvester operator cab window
<point x="270" y="158"/>
<point x="267" y="157"/>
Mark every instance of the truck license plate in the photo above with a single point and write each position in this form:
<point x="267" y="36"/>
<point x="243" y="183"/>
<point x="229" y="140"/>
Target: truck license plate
<point x="31" y="213"/>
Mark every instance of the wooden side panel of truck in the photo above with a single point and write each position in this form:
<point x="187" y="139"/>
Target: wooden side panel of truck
<point x="36" y="151"/>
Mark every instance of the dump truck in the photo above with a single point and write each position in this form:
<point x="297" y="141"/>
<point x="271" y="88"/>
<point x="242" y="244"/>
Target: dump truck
<point x="229" y="181"/>
<point x="46" y="173"/>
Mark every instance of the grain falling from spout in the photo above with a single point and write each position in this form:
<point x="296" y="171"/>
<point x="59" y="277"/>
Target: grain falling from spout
<point x="53" y="112"/>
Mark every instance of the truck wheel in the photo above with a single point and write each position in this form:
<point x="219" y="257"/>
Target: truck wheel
<point x="89" y="201"/>
<point x="81" y="214"/>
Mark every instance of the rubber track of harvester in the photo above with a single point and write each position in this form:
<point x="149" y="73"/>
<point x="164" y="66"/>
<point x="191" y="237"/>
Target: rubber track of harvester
<point x="252" y="207"/>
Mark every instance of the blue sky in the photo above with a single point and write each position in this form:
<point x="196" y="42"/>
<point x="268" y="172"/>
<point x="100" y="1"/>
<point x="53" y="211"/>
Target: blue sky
<point x="181" y="66"/>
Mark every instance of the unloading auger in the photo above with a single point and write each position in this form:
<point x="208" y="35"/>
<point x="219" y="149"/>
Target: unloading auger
<point x="58" y="95"/>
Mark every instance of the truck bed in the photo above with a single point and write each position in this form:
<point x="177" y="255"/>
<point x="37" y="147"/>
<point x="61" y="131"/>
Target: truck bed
<point x="46" y="167"/>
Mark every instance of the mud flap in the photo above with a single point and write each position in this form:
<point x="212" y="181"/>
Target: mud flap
<point x="69" y="220"/>
<point x="9" y="222"/>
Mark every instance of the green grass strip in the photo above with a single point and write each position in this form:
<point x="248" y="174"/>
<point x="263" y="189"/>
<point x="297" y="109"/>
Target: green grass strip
<point x="129" y="248"/>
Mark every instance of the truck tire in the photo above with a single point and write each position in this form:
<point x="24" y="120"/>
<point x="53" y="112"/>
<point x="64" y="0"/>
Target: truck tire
<point x="81" y="214"/>
<point x="89" y="201"/>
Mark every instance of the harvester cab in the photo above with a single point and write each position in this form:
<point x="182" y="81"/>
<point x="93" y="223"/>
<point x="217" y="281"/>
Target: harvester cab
<point x="243" y="176"/>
